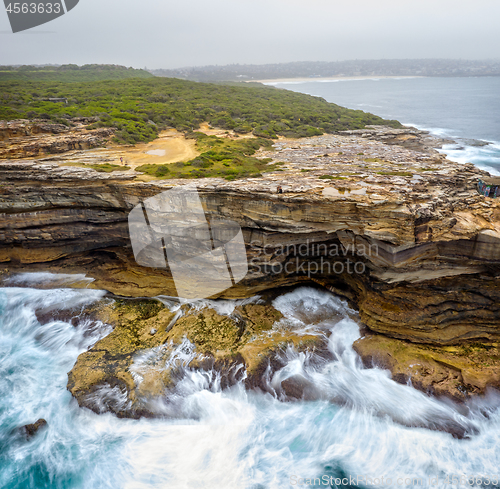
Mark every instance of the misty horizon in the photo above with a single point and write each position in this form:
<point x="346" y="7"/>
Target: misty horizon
<point x="180" y="35"/>
<point x="263" y="65"/>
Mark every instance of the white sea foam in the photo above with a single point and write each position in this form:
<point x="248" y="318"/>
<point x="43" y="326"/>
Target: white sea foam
<point x="486" y="157"/>
<point x="47" y="278"/>
<point x="360" y="423"/>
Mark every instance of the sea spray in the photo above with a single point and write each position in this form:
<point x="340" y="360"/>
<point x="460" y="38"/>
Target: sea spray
<point x="362" y="424"/>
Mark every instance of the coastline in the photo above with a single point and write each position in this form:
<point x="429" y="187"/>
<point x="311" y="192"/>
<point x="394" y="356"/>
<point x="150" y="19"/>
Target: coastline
<point x="362" y="185"/>
<point x="473" y="143"/>
<point x="329" y="78"/>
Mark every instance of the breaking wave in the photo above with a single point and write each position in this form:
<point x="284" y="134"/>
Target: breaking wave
<point x="356" y="422"/>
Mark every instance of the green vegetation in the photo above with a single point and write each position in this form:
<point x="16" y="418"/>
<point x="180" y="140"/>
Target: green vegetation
<point x="329" y="69"/>
<point x="220" y="157"/>
<point x="331" y="177"/>
<point x="138" y="108"/>
<point x="103" y="168"/>
<point x="70" y="73"/>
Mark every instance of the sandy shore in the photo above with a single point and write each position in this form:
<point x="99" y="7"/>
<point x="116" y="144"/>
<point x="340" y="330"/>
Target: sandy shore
<point x="329" y="78"/>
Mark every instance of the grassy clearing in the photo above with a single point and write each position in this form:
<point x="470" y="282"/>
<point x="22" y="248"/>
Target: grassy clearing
<point x="103" y="168"/>
<point x="220" y="157"/>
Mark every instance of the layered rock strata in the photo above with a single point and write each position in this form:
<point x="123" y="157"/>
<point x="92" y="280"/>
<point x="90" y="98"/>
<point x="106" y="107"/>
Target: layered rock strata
<point x="374" y="216"/>
<point x="402" y="234"/>
<point x="29" y="139"/>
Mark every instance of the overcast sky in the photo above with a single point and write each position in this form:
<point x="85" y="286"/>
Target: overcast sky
<point x="173" y="34"/>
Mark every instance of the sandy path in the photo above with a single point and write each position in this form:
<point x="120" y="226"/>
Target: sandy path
<point x="170" y="147"/>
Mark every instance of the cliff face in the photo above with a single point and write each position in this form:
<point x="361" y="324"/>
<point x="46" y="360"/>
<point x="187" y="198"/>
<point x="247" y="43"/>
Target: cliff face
<point x="28" y="139"/>
<point x="401" y="233"/>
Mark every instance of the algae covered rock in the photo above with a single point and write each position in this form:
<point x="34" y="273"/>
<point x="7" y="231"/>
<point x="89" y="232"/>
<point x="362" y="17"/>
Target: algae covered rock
<point x="451" y="371"/>
<point x="153" y="347"/>
<point x="106" y="364"/>
<point x="30" y="430"/>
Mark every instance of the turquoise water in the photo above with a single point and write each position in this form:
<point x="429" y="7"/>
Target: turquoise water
<point x="459" y="108"/>
<point x="360" y="423"/>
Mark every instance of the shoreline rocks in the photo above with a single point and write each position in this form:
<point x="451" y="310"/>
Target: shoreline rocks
<point x="427" y="253"/>
<point x="456" y="372"/>
<point x="30" y="430"/>
<point x="426" y="244"/>
<point x="131" y="372"/>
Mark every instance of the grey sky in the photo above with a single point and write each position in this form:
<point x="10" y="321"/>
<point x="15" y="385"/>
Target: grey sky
<point x="163" y="34"/>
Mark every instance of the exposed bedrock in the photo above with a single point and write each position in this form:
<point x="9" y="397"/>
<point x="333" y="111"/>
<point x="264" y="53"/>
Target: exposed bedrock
<point x="152" y="349"/>
<point x="456" y="372"/>
<point x="417" y="252"/>
<point x="28" y="139"/>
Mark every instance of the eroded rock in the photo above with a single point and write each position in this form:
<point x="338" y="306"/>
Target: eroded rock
<point x="30" y="430"/>
<point x="455" y="372"/>
<point x="426" y="244"/>
<point x="130" y="371"/>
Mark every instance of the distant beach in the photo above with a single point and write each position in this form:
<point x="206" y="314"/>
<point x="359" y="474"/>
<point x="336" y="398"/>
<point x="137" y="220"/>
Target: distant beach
<point x="329" y="79"/>
<point x="463" y="109"/>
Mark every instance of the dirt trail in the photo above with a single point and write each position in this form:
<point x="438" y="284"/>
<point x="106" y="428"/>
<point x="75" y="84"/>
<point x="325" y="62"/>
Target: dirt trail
<point x="170" y="147"/>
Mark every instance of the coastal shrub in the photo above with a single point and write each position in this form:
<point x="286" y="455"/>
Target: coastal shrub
<point x="162" y="170"/>
<point x="220" y="157"/>
<point x="139" y="107"/>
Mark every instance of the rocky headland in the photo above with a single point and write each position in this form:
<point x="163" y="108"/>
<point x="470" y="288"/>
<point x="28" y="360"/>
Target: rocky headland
<point x="376" y="216"/>
<point x="33" y="139"/>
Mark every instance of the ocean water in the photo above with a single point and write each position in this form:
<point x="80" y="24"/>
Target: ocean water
<point x="362" y="429"/>
<point x="463" y="108"/>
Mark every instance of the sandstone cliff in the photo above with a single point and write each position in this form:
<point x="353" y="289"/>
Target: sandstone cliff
<point x="426" y="245"/>
<point x="396" y="229"/>
<point x="28" y="139"/>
